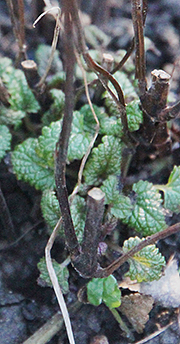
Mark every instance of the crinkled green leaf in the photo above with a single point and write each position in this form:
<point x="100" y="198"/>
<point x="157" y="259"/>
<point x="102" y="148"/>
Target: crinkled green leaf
<point x="42" y="56"/>
<point x="134" y="115"/>
<point x="47" y="142"/>
<point x="110" y="188"/>
<point x="121" y="206"/>
<point x="113" y="125"/>
<point x="89" y="121"/>
<point x="146" y="265"/>
<point x="5" y="140"/>
<point x="61" y="271"/>
<point x="79" y="139"/>
<point x="104" y="290"/>
<point x="21" y="97"/>
<point x="78" y="213"/>
<point x="31" y="168"/>
<point x="172" y="191"/>
<point x="50" y="208"/>
<point x="11" y="117"/>
<point x="147" y="215"/>
<point x="122" y="209"/>
<point x="105" y="160"/>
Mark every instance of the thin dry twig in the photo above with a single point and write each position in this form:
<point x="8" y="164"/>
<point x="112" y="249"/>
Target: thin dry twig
<point x="55" y="283"/>
<point x="54" y="42"/>
<point x="145" y="242"/>
<point x="153" y="335"/>
<point x="83" y="162"/>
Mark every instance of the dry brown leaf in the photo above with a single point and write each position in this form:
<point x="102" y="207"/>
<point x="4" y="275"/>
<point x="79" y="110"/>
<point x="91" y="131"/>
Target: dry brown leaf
<point x="136" y="308"/>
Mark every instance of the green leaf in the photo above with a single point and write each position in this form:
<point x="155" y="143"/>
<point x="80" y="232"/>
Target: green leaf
<point x="5" y="140"/>
<point x="79" y="139"/>
<point x="42" y="56"/>
<point x="31" y="168"/>
<point x="113" y="125"/>
<point x="61" y="271"/>
<point x="172" y="191"/>
<point x="50" y="208"/>
<point x="147" y="215"/>
<point x="111" y="292"/>
<point x="95" y="291"/>
<point x="105" y="160"/>
<point x="89" y="124"/>
<point x="47" y="142"/>
<point x="146" y="265"/>
<point x="21" y="97"/>
<point x="11" y="117"/>
<point x="134" y="115"/>
<point x="104" y="290"/>
<point x="125" y="84"/>
<point x="5" y="62"/>
<point x="78" y="213"/>
<point x="95" y="36"/>
<point x="56" y="109"/>
<point x="121" y="206"/>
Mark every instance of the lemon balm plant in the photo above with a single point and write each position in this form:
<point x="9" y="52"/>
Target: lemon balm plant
<point x="130" y="117"/>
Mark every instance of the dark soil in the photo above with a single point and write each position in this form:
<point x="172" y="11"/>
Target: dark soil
<point x="24" y="305"/>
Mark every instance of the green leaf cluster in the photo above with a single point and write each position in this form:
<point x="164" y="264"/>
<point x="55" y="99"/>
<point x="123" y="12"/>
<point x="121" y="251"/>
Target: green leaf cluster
<point x="32" y="167"/>
<point x="146" y="265"/>
<point x="104" y="290"/>
<point x="104" y="161"/>
<point x="5" y="140"/>
<point x="51" y="212"/>
<point x="61" y="271"/>
<point x="142" y="211"/>
<point x="50" y="208"/>
<point x="172" y="191"/>
<point x="113" y="124"/>
<point x="22" y="100"/>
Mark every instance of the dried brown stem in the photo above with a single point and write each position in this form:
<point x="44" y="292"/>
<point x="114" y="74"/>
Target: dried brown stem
<point x="62" y="146"/>
<point x="147" y="241"/>
<point x="31" y="73"/>
<point x="138" y="24"/>
<point x="87" y="263"/>
<point x="170" y="112"/>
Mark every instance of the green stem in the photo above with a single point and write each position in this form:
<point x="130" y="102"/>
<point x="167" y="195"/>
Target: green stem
<point x="121" y="323"/>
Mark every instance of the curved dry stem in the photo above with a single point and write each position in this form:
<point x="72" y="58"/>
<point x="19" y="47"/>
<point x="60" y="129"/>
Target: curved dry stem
<point x="55" y="283"/>
<point x="54" y="42"/>
<point x="83" y="162"/>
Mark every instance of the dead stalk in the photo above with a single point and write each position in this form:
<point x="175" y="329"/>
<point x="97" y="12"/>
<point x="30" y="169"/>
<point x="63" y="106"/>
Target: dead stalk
<point x="55" y="283"/>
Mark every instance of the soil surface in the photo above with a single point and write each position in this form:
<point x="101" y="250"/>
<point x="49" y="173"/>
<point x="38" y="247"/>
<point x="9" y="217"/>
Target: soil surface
<point x="24" y="305"/>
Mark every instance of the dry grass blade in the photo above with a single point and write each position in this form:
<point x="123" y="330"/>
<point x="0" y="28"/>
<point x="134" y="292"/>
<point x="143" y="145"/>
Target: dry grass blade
<point x="55" y="284"/>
